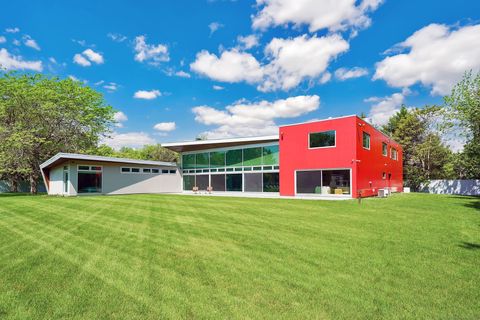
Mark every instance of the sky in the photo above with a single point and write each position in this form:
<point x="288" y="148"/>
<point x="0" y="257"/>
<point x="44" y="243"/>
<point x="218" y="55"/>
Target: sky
<point x="175" y="70"/>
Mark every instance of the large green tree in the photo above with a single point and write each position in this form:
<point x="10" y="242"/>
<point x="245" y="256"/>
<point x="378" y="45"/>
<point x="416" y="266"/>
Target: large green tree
<point x="153" y="152"/>
<point x="424" y="154"/>
<point x="462" y="109"/>
<point x="41" y="116"/>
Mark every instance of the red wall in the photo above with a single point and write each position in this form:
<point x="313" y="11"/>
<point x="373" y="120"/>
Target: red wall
<point x="295" y="154"/>
<point x="367" y="165"/>
<point x="373" y="163"/>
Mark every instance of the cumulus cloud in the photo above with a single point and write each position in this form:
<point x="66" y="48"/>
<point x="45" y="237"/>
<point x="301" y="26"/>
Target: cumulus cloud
<point x="147" y="95"/>
<point x="165" y="126"/>
<point x="214" y="26"/>
<point x="285" y="67"/>
<point x="29" y="42"/>
<point x="120" y="118"/>
<point x="316" y="14"/>
<point x="343" y="74"/>
<point x="288" y="67"/>
<point x="435" y="56"/>
<point x="130" y="139"/>
<point x="12" y="62"/>
<point x="86" y="58"/>
<point x="248" y="119"/>
<point x="182" y="74"/>
<point x="12" y="30"/>
<point x="231" y="66"/>
<point x="3" y="39"/>
<point x="150" y="53"/>
<point x="385" y="107"/>
<point x="248" y="42"/>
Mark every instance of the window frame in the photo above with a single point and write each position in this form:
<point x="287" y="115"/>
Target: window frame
<point x="89" y="168"/>
<point x="392" y="149"/>
<point x="369" y="140"/>
<point x="324" y="147"/>
<point x="385" y="154"/>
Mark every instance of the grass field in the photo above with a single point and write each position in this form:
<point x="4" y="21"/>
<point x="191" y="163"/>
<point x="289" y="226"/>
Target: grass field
<point x="163" y="256"/>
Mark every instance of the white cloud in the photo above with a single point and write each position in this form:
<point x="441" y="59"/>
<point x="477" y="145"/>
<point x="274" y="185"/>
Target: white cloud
<point x="248" y="42"/>
<point x="12" y="62"/>
<point x="385" y="107"/>
<point x="285" y="67"/>
<point x="231" y="66"/>
<point x="437" y="56"/>
<point x="111" y="87"/>
<point x="326" y="76"/>
<point x="345" y="74"/>
<point x="217" y="87"/>
<point x="117" y="37"/>
<point x="12" y="30"/>
<point x="29" y="42"/>
<point x="52" y="60"/>
<point x="250" y="119"/>
<point x="147" y="95"/>
<point x="3" y="39"/>
<point x="119" y="118"/>
<point x="317" y="14"/>
<point x="165" y="126"/>
<point x="130" y="139"/>
<point x="288" y="66"/>
<point x="214" y="26"/>
<point x="81" y="60"/>
<point x="93" y="56"/>
<point x="16" y="42"/>
<point x="86" y="58"/>
<point x="72" y="77"/>
<point x="150" y="53"/>
<point x="182" y="74"/>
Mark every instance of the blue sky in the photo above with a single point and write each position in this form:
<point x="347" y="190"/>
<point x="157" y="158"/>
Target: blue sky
<point x="177" y="69"/>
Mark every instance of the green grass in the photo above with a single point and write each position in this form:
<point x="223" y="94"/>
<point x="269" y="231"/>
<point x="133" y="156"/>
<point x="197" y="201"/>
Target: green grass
<point x="413" y="256"/>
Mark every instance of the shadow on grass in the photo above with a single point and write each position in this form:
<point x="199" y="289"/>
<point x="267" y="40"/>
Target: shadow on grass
<point x="469" y="245"/>
<point x="18" y="194"/>
<point x="474" y="202"/>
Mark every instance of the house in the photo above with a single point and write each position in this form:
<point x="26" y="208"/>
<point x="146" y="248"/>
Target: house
<point x="76" y="174"/>
<point x="342" y="157"/>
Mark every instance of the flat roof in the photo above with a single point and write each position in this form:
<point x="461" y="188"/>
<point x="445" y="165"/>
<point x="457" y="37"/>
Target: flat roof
<point x="61" y="157"/>
<point x="217" y="143"/>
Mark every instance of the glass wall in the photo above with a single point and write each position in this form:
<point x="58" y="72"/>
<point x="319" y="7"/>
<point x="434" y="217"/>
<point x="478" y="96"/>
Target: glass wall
<point x="217" y="181"/>
<point x="253" y="182"/>
<point x="89" y="182"/>
<point x="234" y="182"/>
<point x="326" y="182"/>
<point x="188" y="183"/>
<point x="240" y="157"/>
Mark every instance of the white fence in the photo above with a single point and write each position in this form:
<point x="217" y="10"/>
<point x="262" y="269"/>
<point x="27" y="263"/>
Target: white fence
<point x="463" y="187"/>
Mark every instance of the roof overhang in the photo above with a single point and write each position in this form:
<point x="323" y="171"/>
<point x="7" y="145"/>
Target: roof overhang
<point x="59" y="158"/>
<point x="217" y="143"/>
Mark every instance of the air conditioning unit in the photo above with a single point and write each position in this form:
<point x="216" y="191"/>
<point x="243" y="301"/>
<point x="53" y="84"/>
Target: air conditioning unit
<point x="382" y="193"/>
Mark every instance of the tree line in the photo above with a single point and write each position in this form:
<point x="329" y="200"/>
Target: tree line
<point x="41" y="116"/>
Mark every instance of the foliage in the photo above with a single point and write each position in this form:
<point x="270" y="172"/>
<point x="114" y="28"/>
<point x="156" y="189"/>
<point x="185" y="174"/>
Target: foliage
<point x="153" y="152"/>
<point x="425" y="157"/>
<point x="41" y="116"/>
<point x="462" y="109"/>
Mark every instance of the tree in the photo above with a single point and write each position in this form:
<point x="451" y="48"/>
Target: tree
<point x="41" y="116"/>
<point x="153" y="152"/>
<point x="424" y="155"/>
<point x="392" y="123"/>
<point x="462" y="110"/>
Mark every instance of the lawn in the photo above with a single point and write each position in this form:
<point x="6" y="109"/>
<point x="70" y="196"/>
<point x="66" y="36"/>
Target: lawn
<point x="165" y="256"/>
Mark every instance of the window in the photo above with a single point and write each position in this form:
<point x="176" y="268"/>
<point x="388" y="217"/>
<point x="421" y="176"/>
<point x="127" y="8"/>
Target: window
<point x="393" y="153"/>
<point x="217" y="159"/>
<point x="217" y="181"/>
<point x="384" y="149"/>
<point x="270" y="155"/>
<point x="146" y="170"/>
<point x="125" y="170"/>
<point x="253" y="182"/>
<point x="384" y="175"/>
<point x="173" y="171"/>
<point x="155" y="171"/>
<point x="234" y="182"/>
<point x="135" y="170"/>
<point x="202" y="160"/>
<point x="326" y="182"/>
<point x="84" y="168"/>
<point x="252" y="157"/>
<point x="166" y="171"/>
<point x="89" y="179"/>
<point x="366" y="140"/>
<point x="188" y="183"/>
<point x="188" y="161"/>
<point x="234" y="158"/>
<point x="271" y="182"/>
<point x="322" y="139"/>
<point x="202" y="182"/>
